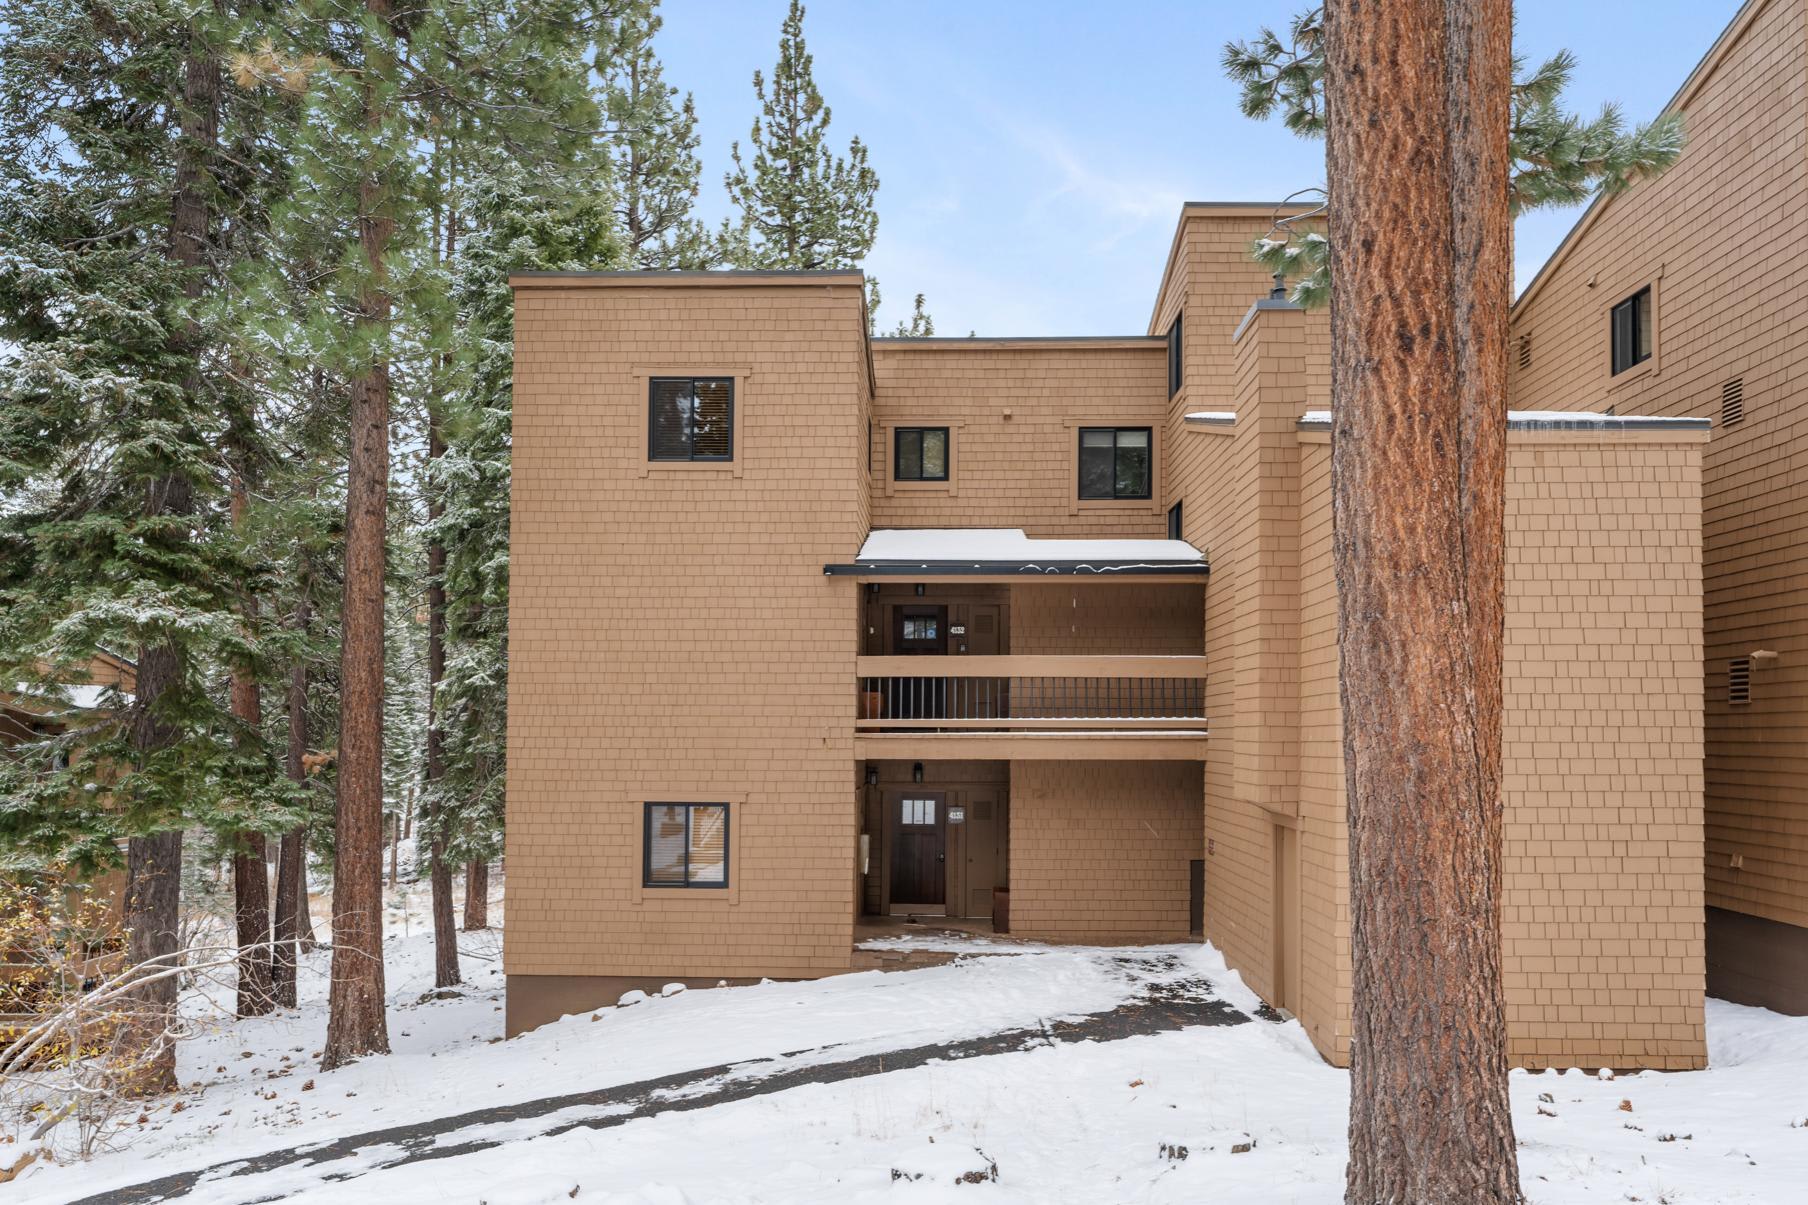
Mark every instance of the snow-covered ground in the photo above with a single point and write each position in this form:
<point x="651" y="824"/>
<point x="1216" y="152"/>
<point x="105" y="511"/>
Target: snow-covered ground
<point x="1259" y="1115"/>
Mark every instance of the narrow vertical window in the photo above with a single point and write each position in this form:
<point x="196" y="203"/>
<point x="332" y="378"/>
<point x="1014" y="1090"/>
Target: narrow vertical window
<point x="1174" y="522"/>
<point x="1632" y="331"/>
<point x="686" y="845"/>
<point x="1174" y="360"/>
<point x="921" y="454"/>
<point x="1116" y="462"/>
<point x="690" y="418"/>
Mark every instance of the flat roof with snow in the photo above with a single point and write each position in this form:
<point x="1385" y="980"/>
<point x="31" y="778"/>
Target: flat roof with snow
<point x="939" y="551"/>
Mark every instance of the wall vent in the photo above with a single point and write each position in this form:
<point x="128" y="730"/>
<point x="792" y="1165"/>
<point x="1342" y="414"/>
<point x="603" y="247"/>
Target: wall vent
<point x="1525" y="352"/>
<point x="1738" y="680"/>
<point x="1732" y="402"/>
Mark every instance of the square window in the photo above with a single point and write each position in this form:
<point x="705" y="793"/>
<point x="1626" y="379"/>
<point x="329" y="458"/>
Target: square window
<point x="1632" y="331"/>
<point x="686" y="845"/>
<point x="690" y="418"/>
<point x="1116" y="462"/>
<point x="921" y="454"/>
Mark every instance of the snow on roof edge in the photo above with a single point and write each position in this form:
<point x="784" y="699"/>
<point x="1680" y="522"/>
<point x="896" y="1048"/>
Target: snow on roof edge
<point x="930" y="545"/>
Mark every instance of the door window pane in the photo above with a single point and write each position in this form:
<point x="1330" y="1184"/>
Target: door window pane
<point x="918" y="811"/>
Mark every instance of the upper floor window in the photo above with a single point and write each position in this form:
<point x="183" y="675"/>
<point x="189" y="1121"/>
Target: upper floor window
<point x="921" y="454"/>
<point x="1116" y="462"/>
<point x="687" y="845"/>
<point x="690" y="418"/>
<point x="1174" y="523"/>
<point x="1632" y="331"/>
<point x="1174" y="356"/>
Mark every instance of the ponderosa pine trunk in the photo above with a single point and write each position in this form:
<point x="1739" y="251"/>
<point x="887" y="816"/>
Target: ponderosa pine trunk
<point x="292" y="855"/>
<point x="250" y="864"/>
<point x="477" y="894"/>
<point x="356" y="1022"/>
<point x="1417" y="97"/>
<point x="445" y="932"/>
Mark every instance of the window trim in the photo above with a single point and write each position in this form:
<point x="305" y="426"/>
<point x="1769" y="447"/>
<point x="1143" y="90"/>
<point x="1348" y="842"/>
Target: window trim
<point x="886" y="429"/>
<point x="1650" y="365"/>
<point x="646" y="845"/>
<point x="1117" y="431"/>
<point x="897" y="455"/>
<point x="742" y="423"/>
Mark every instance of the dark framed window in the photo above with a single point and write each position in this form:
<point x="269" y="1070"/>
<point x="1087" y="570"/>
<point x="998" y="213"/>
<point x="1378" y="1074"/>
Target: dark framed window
<point x="1632" y="331"/>
<point x="1174" y="522"/>
<point x="690" y="418"/>
<point x="686" y="845"/>
<point x="920" y="454"/>
<point x="1174" y="356"/>
<point x="1116" y="462"/>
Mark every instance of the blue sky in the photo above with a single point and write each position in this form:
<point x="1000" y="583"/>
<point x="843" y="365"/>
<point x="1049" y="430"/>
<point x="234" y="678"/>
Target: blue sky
<point x="1033" y="155"/>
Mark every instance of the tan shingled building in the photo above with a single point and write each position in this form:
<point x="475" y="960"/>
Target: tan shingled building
<point x="736" y="516"/>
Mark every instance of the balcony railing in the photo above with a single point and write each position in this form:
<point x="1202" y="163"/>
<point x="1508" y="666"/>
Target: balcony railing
<point x="1030" y="693"/>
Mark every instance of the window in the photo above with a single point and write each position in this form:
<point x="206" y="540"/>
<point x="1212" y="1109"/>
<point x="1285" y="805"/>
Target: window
<point x="920" y="627"/>
<point x="686" y="845"/>
<point x="691" y="418"/>
<point x="1632" y="331"/>
<point x="921" y="454"/>
<point x="1174" y="356"/>
<point x="917" y="811"/>
<point x="1174" y="522"/>
<point x="1115" y="462"/>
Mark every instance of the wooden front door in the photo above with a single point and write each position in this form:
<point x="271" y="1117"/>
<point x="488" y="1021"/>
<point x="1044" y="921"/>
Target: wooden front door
<point x="919" y="849"/>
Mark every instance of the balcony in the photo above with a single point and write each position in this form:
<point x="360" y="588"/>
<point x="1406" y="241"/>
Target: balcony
<point x="1027" y="705"/>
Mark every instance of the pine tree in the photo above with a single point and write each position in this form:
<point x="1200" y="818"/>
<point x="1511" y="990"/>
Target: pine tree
<point x="653" y="148"/>
<point x="802" y="206"/>
<point x="918" y="326"/>
<point x="518" y="225"/>
<point x="1418" y="481"/>
<point x="1558" y="157"/>
<point x="117" y="188"/>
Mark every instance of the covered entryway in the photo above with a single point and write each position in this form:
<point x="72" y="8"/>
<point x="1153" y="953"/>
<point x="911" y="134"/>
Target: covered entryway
<point x="936" y="836"/>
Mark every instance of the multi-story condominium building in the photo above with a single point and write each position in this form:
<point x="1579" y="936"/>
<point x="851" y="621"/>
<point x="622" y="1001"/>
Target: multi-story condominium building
<point x="809" y="627"/>
<point x="1682" y="296"/>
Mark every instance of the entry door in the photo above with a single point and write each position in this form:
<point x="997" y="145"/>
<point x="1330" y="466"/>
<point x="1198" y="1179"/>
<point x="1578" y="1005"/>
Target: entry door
<point x="919" y="849"/>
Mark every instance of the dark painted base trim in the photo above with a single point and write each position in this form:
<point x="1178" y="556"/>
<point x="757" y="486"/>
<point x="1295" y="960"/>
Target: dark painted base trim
<point x="536" y="1000"/>
<point x="1752" y="960"/>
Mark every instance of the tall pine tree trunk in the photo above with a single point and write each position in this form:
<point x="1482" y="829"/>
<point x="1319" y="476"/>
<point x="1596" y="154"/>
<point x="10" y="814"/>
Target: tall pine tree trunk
<point x="1417" y="95"/>
<point x="445" y="934"/>
<point x="250" y="866"/>
<point x="356" y="1023"/>
<point x="477" y="894"/>
<point x="291" y="863"/>
<point x="154" y="860"/>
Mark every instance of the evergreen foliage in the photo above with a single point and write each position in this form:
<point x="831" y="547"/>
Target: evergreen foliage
<point x="1558" y="157"/>
<point x="801" y="205"/>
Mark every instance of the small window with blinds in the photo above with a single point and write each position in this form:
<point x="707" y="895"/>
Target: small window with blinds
<point x="686" y="845"/>
<point x="691" y="418"/>
<point x="1738" y="680"/>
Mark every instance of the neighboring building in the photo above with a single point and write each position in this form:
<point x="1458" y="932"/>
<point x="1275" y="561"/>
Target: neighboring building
<point x="29" y="713"/>
<point x="1683" y="296"/>
<point x="808" y="626"/>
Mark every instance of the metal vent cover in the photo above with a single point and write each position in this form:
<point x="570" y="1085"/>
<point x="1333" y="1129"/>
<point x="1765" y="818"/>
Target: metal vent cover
<point x="1738" y="680"/>
<point x="1732" y="402"/>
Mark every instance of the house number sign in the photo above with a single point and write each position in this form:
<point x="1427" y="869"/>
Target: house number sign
<point x="957" y="815"/>
<point x="957" y="629"/>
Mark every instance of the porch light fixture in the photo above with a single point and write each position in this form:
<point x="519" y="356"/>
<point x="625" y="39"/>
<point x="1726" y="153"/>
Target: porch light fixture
<point x="921" y="589"/>
<point x="872" y="776"/>
<point x="916" y="772"/>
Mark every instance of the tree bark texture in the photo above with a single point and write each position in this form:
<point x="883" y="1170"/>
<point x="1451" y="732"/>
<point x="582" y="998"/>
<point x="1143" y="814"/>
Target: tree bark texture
<point x="445" y="932"/>
<point x="250" y="865"/>
<point x="477" y="894"/>
<point x="356" y="1023"/>
<point x="1417" y="96"/>
<point x="292" y="856"/>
